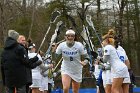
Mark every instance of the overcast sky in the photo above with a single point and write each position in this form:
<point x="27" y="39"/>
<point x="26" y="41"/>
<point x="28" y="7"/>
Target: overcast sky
<point x="46" y="0"/>
<point x="104" y="3"/>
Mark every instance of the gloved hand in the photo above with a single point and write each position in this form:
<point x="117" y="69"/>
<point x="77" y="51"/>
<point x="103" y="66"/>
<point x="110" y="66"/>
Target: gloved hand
<point x="34" y="59"/>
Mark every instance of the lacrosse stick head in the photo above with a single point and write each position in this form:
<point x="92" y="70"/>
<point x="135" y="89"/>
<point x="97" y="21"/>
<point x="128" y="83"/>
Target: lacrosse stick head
<point x="57" y="31"/>
<point x="88" y="19"/>
<point x="59" y="27"/>
<point x="48" y="56"/>
<point x="54" y="16"/>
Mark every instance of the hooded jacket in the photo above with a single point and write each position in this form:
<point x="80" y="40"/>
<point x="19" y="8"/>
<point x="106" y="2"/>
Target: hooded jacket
<point x="14" y="63"/>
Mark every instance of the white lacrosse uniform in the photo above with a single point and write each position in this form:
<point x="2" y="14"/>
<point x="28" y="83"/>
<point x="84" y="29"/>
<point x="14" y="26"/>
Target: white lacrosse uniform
<point x="121" y="49"/>
<point x="44" y="81"/>
<point x="36" y="76"/>
<point x="118" y="68"/>
<point x="71" y="59"/>
<point x="123" y="57"/>
<point x="106" y="76"/>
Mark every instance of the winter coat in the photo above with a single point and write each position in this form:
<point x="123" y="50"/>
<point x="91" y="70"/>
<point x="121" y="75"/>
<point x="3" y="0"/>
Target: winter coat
<point x="14" y="63"/>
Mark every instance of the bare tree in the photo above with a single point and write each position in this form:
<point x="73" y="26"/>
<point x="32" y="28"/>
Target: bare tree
<point x="33" y="18"/>
<point x="137" y="23"/>
<point x="122" y="4"/>
<point x="2" y="27"/>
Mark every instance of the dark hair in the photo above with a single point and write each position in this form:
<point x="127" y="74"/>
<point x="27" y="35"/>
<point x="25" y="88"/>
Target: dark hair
<point x="117" y="40"/>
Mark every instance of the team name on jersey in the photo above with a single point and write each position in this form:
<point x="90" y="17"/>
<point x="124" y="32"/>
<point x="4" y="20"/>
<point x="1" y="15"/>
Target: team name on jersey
<point x="70" y="53"/>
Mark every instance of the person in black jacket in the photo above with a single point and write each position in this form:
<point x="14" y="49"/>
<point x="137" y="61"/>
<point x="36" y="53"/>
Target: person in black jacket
<point x="14" y="64"/>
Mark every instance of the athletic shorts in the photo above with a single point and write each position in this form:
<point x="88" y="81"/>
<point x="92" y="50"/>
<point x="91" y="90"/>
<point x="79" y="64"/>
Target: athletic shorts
<point x="121" y="73"/>
<point x="36" y="83"/>
<point x="44" y="84"/>
<point x="127" y="80"/>
<point x="106" y="76"/>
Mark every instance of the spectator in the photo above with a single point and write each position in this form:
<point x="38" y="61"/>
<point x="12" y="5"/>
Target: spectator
<point x="14" y="62"/>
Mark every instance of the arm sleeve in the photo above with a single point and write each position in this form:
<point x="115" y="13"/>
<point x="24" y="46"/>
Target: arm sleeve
<point x="106" y="58"/>
<point x="59" y="49"/>
<point x="106" y="54"/>
<point x="23" y="56"/>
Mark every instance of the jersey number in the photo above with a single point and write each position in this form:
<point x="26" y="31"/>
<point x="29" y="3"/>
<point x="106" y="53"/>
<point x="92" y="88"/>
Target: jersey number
<point x="71" y="58"/>
<point x="122" y="58"/>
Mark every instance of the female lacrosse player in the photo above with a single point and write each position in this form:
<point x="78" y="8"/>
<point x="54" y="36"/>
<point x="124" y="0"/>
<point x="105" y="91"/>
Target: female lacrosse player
<point x="71" y="68"/>
<point x="118" y="69"/>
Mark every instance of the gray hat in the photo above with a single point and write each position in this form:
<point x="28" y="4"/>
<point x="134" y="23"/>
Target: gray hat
<point x="13" y="34"/>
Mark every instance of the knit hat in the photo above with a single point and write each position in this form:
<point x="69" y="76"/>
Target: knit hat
<point x="70" y="32"/>
<point x="13" y="34"/>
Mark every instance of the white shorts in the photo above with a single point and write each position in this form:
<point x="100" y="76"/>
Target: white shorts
<point x="106" y="76"/>
<point x="127" y="80"/>
<point x="36" y="83"/>
<point x="121" y="73"/>
<point x="44" y="84"/>
<point x="76" y="77"/>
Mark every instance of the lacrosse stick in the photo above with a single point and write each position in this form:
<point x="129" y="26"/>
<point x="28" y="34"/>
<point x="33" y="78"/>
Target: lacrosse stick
<point x="90" y="23"/>
<point x="85" y="34"/>
<point x="75" y="26"/>
<point x="55" y="15"/>
<point x="46" y="55"/>
<point x="60" y="42"/>
<point x="87" y="38"/>
<point x="54" y="36"/>
<point x="77" y="32"/>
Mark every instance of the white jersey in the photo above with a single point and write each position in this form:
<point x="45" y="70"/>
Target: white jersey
<point x="118" y="68"/>
<point x="36" y="71"/>
<point x="123" y="57"/>
<point x="120" y="48"/>
<point x="114" y="60"/>
<point x="122" y="54"/>
<point x="71" y="59"/>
